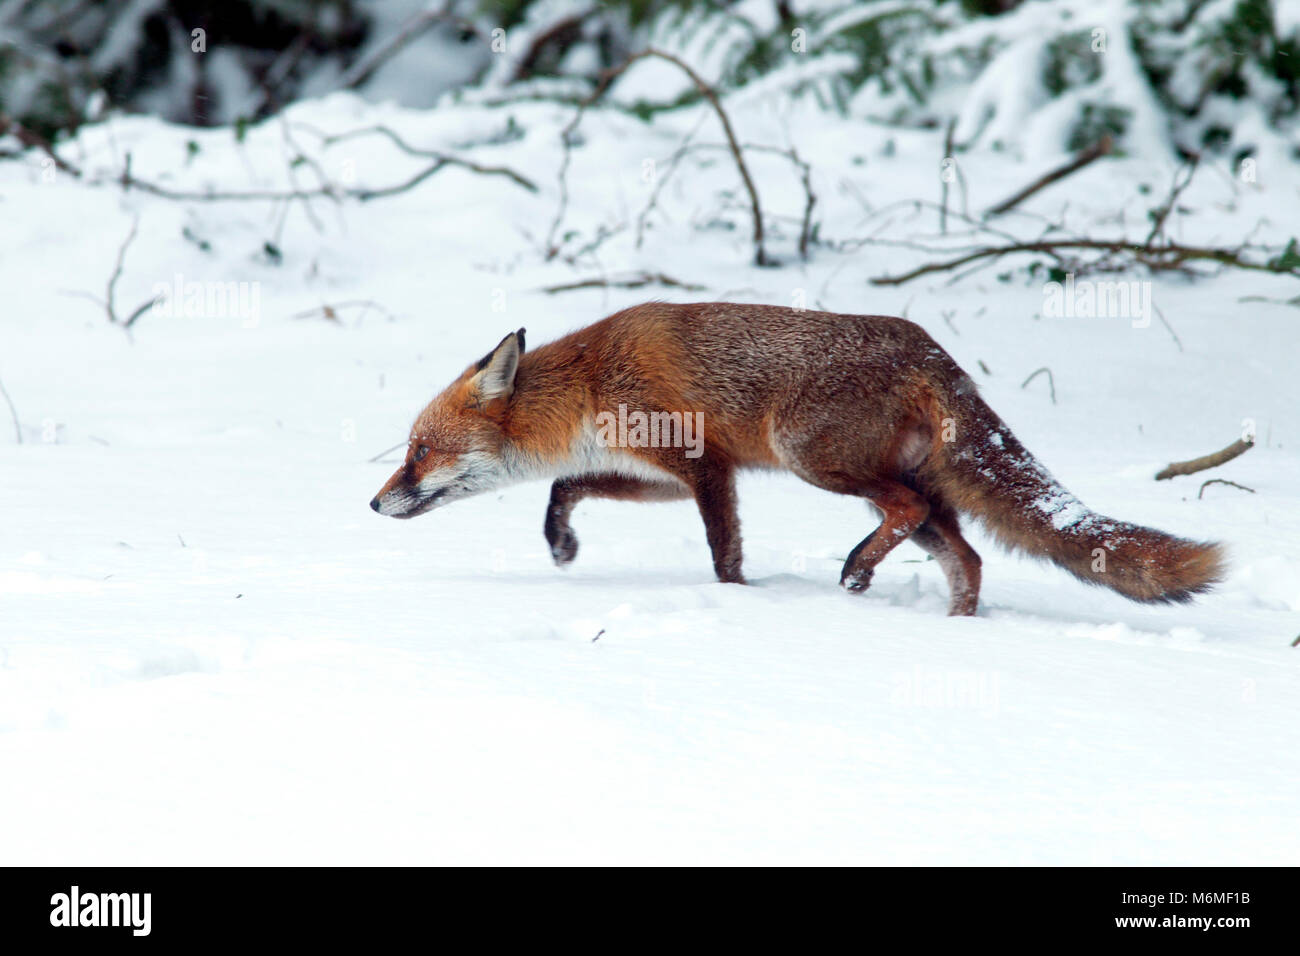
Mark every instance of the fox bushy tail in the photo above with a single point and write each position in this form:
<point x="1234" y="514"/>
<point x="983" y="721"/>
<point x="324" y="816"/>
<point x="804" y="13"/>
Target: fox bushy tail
<point x="987" y="473"/>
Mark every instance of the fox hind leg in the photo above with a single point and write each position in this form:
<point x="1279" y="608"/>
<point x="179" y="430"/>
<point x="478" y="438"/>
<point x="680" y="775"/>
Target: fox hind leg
<point x="941" y="537"/>
<point x="902" y="511"/>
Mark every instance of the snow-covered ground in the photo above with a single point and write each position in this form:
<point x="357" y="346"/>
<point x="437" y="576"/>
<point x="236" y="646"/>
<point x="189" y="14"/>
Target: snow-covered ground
<point x="211" y="651"/>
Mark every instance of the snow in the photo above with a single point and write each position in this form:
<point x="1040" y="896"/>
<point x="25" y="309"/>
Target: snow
<point x="211" y="651"/>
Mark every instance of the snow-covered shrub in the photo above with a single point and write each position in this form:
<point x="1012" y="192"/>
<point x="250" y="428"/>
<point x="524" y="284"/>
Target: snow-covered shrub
<point x="1034" y="76"/>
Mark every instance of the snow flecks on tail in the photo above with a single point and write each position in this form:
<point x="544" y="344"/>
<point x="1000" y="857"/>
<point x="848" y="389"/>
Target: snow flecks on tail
<point x="986" y="472"/>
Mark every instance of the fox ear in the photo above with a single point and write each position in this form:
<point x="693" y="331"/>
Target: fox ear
<point x="495" y="376"/>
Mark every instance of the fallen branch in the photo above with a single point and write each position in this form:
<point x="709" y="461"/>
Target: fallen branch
<point x="635" y="281"/>
<point x="1090" y="155"/>
<point x="327" y="190"/>
<point x="1156" y="258"/>
<point x="1221" y="481"/>
<point x="1239" y="447"/>
<point x="705" y="90"/>
<point x="18" y="429"/>
<point x="442" y="157"/>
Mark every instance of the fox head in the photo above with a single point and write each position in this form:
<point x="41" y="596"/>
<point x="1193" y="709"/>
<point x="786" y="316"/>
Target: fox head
<point x="457" y="446"/>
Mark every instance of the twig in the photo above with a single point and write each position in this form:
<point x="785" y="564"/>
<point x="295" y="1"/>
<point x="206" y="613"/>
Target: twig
<point x="705" y="90"/>
<point x="330" y="311"/>
<point x="1239" y="447"/>
<point x="327" y="191"/>
<point x="110" y="305"/>
<point x="1221" y="481"/>
<point x="442" y="157"/>
<point x="387" y="451"/>
<point x="804" y="171"/>
<point x="31" y="140"/>
<point x="1087" y="156"/>
<point x="810" y="200"/>
<point x="943" y="177"/>
<point x="360" y="72"/>
<point x="1159" y="216"/>
<point x="565" y="32"/>
<point x="280" y="70"/>
<point x="603" y="234"/>
<point x="1051" y="383"/>
<point x="18" y="429"/>
<point x="1177" y="340"/>
<point x="127" y="180"/>
<point x="634" y="281"/>
<point x="660" y="182"/>
<point x="301" y="156"/>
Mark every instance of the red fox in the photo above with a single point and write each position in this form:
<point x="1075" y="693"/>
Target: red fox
<point x="860" y="405"/>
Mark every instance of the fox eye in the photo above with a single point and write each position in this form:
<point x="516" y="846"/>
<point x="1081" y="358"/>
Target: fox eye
<point x="421" y="452"/>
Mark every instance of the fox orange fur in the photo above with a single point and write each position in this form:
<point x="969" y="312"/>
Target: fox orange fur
<point x="868" y="406"/>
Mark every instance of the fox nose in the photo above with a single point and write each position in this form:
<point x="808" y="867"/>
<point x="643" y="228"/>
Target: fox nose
<point x="374" y="504"/>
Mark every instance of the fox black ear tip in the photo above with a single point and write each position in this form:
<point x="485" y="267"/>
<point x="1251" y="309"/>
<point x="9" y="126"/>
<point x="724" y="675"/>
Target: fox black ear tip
<point x="520" y="336"/>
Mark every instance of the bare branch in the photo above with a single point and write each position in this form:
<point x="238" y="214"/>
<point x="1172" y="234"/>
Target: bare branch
<point x="1051" y="382"/>
<point x="943" y="175"/>
<point x="1087" y="156"/>
<point x="1168" y="257"/>
<point x="327" y="190"/>
<point x="632" y="281"/>
<point x="564" y="33"/>
<point x="705" y="90"/>
<point x="1221" y="481"/>
<point x="1160" y="215"/>
<point x="804" y="170"/>
<point x="1239" y="447"/>
<point x="110" y="304"/>
<point x="1161" y="315"/>
<point x="413" y="28"/>
<point x="34" y="140"/>
<point x="439" y="157"/>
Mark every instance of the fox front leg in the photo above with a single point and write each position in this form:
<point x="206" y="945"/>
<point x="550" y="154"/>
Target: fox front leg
<point x="560" y="537"/>
<point x="715" y="493"/>
<point x="567" y="492"/>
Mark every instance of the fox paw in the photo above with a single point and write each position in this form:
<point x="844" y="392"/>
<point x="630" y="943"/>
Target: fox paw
<point x="564" y="547"/>
<point x="855" y="582"/>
